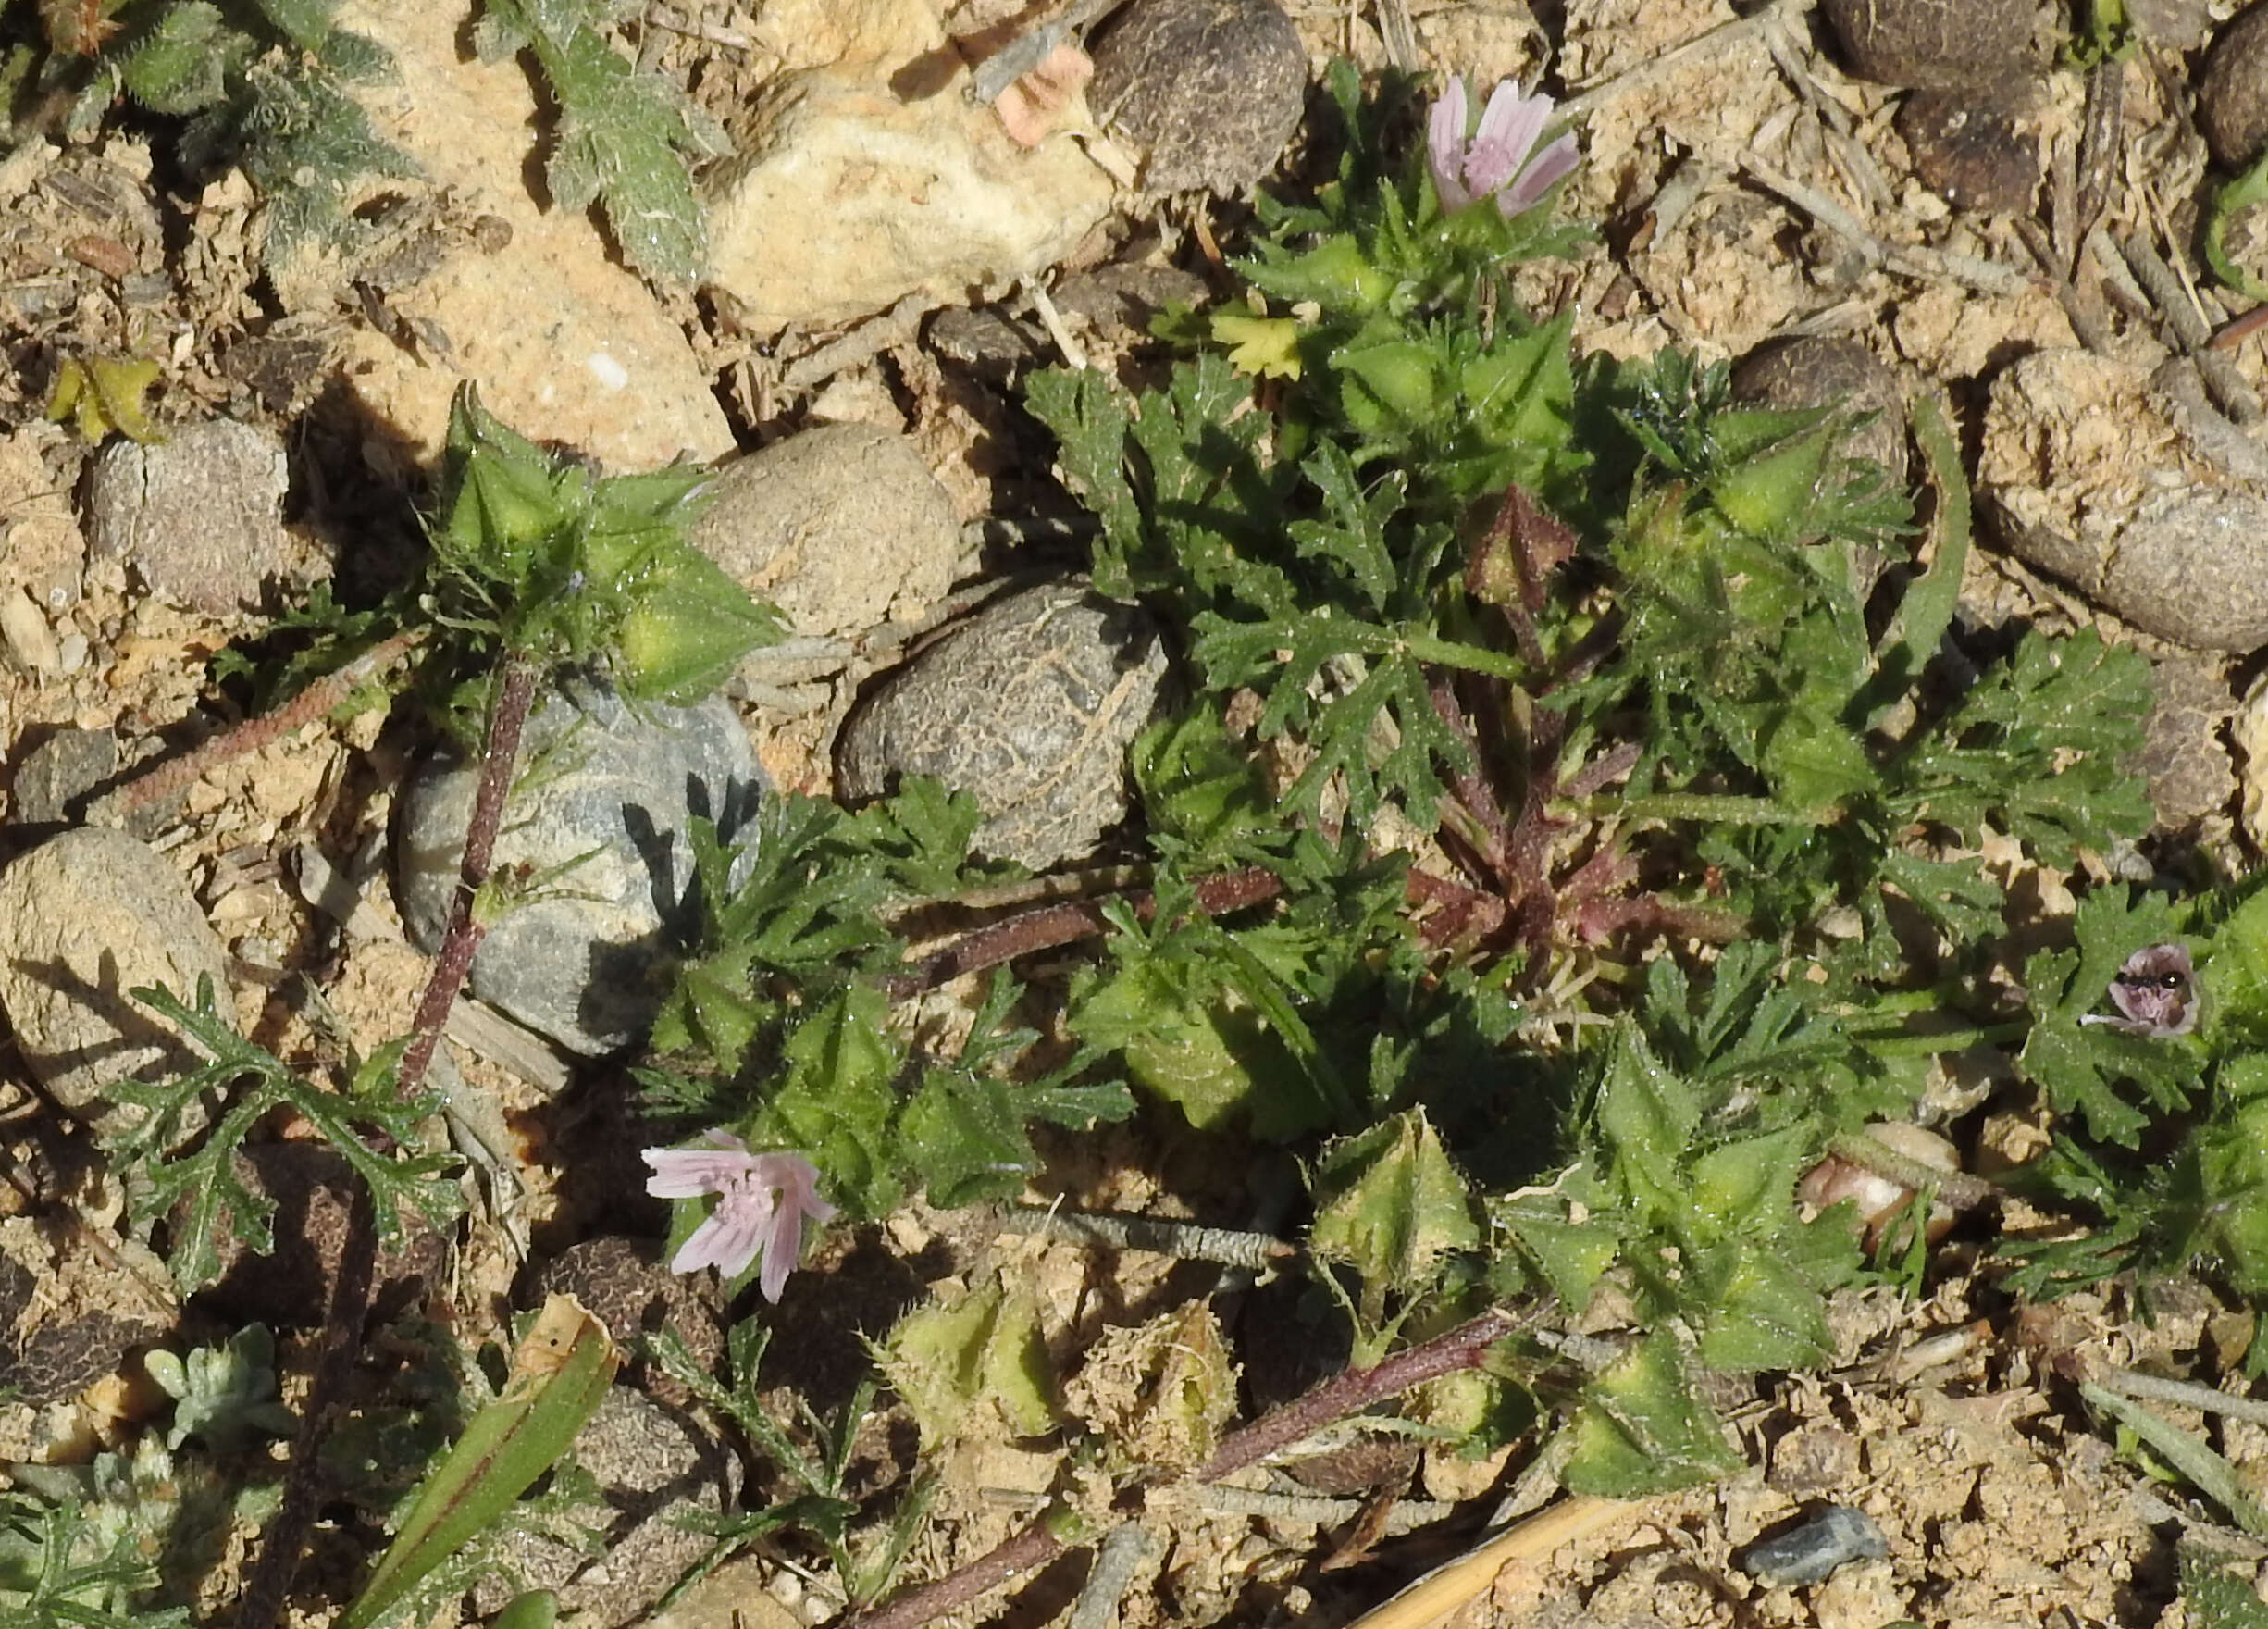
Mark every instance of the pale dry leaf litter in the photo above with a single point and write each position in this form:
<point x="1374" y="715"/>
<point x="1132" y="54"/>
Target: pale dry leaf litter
<point x="1746" y="187"/>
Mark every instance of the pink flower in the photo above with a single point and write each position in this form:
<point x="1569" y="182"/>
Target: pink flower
<point x="1496" y="162"/>
<point x="762" y="1202"/>
<point x="2156" y="993"/>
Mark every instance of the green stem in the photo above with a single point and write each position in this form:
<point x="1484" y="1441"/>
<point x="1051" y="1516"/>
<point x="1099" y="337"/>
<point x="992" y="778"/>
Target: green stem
<point x="1723" y="808"/>
<point x="1904" y="1044"/>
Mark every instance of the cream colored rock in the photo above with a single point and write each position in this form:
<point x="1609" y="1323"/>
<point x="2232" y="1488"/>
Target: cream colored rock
<point x="566" y="345"/>
<point x="893" y="34"/>
<point x="842" y="528"/>
<point x="846" y="199"/>
<point x="84" y="918"/>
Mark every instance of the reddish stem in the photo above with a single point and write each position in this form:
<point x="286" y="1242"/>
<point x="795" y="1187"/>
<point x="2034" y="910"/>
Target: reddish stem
<point x="1051" y="926"/>
<point x="516" y="691"/>
<point x="1032" y="1547"/>
<point x="317" y="699"/>
<point x="286" y="1537"/>
<point x="1357" y="1389"/>
<point x="1462" y="1348"/>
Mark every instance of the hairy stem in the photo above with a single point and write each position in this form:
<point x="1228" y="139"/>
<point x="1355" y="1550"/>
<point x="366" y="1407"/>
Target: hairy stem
<point x="351" y="1289"/>
<point x="516" y="691"/>
<point x="317" y="699"/>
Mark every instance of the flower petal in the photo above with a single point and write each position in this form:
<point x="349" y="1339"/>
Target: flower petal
<point x="1508" y="130"/>
<point x="682" y="1174"/>
<point x="1444" y="146"/>
<point x="1543" y="172"/>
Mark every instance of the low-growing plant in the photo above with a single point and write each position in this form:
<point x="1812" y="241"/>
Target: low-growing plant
<point x="1582" y="816"/>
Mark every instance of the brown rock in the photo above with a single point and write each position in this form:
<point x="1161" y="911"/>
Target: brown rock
<point x="1212" y="89"/>
<point x="1815" y="370"/>
<point x="1029" y="706"/>
<point x="2232" y="95"/>
<point x="196" y="515"/>
<point x="2190" y="776"/>
<point x="1941" y="44"/>
<point x="1974" y="153"/>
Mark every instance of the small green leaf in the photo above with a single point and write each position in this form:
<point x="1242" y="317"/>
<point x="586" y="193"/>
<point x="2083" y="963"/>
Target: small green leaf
<point x="560" y="1374"/>
<point x="1388" y="1203"/>
<point x="977" y="1363"/>
<point x="1642" y="1430"/>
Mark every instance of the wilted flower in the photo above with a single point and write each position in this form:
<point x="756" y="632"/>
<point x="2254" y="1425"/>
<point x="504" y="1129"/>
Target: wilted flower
<point x="2156" y="993"/>
<point x="1496" y="162"/>
<point x="762" y="1202"/>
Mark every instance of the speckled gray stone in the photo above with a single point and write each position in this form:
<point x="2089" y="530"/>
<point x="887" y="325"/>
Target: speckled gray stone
<point x="1212" y="89"/>
<point x="195" y="515"/>
<point x="1029" y="706"/>
<point x="582" y="966"/>
<point x="85" y="918"/>
<point x="2190" y="564"/>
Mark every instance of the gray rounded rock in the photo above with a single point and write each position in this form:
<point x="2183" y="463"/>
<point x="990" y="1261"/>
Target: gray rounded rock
<point x="2232" y="93"/>
<point x="1937" y="45"/>
<point x="1029" y="705"/>
<point x="195" y="515"/>
<point x="1213" y="89"/>
<point x="601" y="778"/>
<point x="837" y="527"/>
<point x="2190" y="565"/>
<point x="85" y="918"/>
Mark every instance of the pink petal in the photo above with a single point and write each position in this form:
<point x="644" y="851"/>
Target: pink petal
<point x="1508" y="130"/>
<point x="783" y="1251"/>
<point x="729" y="1241"/>
<point x="1543" y="173"/>
<point x="1444" y="146"/>
<point x="682" y="1174"/>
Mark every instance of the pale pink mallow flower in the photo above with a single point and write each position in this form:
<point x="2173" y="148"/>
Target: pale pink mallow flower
<point x="763" y="1201"/>
<point x="1499" y="161"/>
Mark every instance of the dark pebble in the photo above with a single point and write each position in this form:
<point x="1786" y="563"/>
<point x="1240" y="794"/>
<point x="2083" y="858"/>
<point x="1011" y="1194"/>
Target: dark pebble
<point x="1975" y="154"/>
<point x="1812" y="1549"/>
<point x="2232" y="95"/>
<point x="1937" y="45"/>
<point x="1213" y="89"/>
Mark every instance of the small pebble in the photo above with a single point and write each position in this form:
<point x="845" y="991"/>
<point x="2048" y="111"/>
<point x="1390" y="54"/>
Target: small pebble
<point x="196" y="515"/>
<point x="1815" y="371"/>
<point x="619" y="785"/>
<point x="1213" y="89"/>
<point x="1029" y="705"/>
<point x="2232" y="93"/>
<point x="1810" y="1552"/>
<point x="55" y="775"/>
